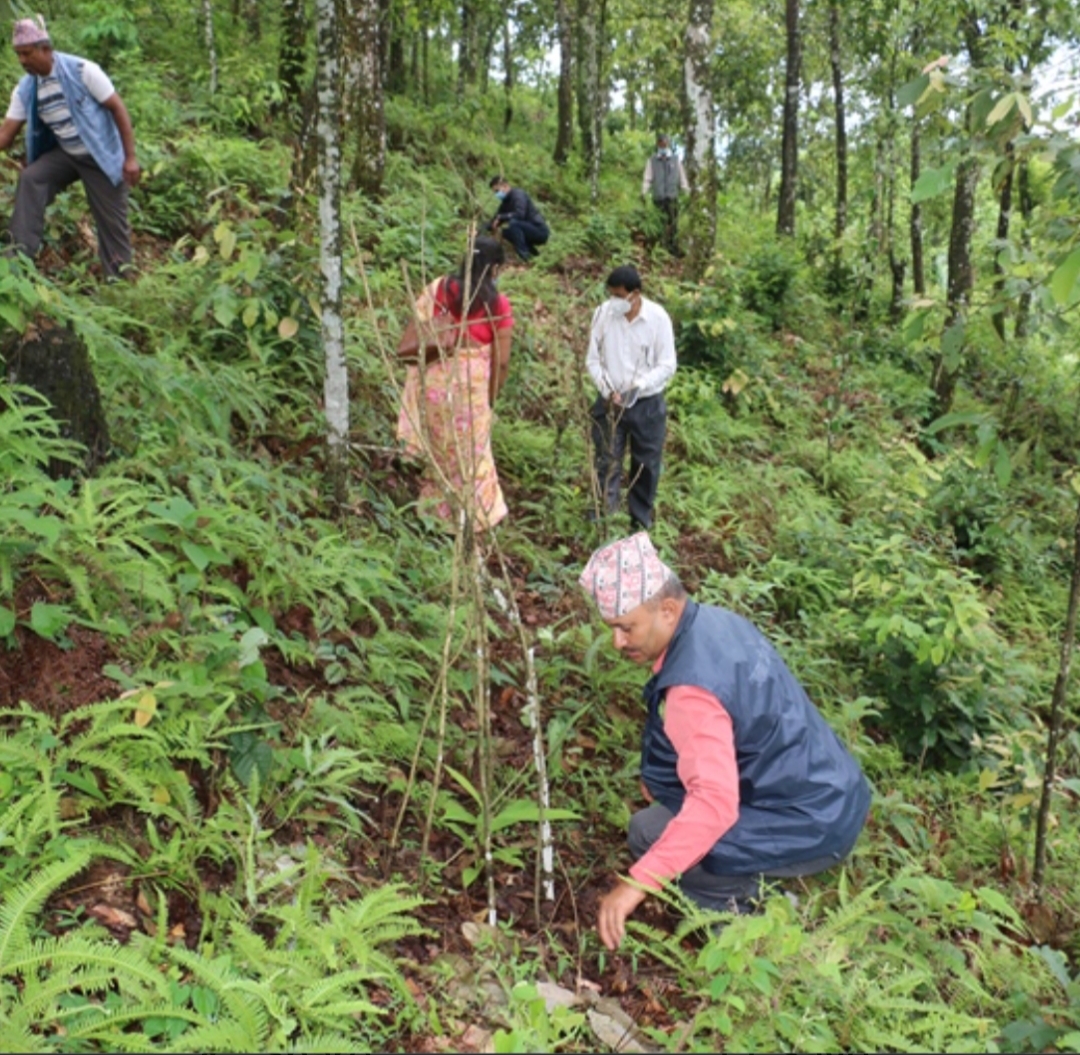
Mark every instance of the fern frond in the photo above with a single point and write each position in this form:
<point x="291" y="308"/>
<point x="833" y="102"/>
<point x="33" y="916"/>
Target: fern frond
<point x="228" y="1035"/>
<point x="19" y="1041"/>
<point x="325" y="1044"/>
<point x="27" y="898"/>
<point x="225" y="982"/>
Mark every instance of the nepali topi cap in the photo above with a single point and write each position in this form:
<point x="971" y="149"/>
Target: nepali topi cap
<point x="29" y="31"/>
<point x="624" y="574"/>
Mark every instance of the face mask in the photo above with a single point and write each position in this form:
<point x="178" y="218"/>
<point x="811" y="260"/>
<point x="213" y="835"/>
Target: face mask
<point x="618" y="306"/>
<point x="500" y="194"/>
<point x="664" y="152"/>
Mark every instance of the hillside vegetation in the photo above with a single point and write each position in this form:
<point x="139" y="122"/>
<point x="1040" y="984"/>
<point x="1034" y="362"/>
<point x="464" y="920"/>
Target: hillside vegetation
<point x="253" y="747"/>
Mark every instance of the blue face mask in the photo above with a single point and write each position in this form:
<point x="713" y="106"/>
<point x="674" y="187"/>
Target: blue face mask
<point x="500" y="194"/>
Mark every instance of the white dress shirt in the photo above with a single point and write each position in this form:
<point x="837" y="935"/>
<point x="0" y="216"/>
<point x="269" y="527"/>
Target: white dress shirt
<point x="625" y="355"/>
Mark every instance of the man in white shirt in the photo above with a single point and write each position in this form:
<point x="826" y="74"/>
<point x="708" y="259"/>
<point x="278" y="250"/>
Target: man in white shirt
<point x="631" y="359"/>
<point x="78" y="128"/>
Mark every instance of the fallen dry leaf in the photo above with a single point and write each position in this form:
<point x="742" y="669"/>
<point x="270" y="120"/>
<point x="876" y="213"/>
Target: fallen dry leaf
<point x="113" y="917"/>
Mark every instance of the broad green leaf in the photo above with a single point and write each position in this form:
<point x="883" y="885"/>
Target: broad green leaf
<point x="933" y="182"/>
<point x="1003" y="106"/>
<point x="1062" y="108"/>
<point x="7" y="621"/>
<point x="454" y="811"/>
<point x="1024" y="104"/>
<point x="465" y="783"/>
<point x="225" y="237"/>
<point x="48" y="620"/>
<point x="1063" y="280"/>
<point x="7" y="784"/>
<point x="912" y="92"/>
<point x="1003" y="466"/>
<point x="145" y="709"/>
<point x="251" y="314"/>
<point x="527" y="811"/>
<point x="250" y="643"/>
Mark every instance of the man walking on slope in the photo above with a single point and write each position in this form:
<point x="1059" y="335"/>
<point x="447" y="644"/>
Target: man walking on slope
<point x="745" y="779"/>
<point x="631" y="358"/>
<point x="77" y="128"/>
<point x="664" y="174"/>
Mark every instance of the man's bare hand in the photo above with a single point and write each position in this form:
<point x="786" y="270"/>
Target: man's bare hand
<point x="132" y="171"/>
<point x="646" y="794"/>
<point x="615" y="906"/>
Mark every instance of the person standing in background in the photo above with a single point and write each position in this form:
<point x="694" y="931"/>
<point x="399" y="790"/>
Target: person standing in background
<point x="665" y="177"/>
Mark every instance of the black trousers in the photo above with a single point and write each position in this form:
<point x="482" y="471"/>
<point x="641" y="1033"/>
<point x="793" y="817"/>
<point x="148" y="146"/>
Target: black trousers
<point x="670" y="208"/>
<point x="525" y="236"/>
<point x="642" y="427"/>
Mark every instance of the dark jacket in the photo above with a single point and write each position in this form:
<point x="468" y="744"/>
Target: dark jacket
<point x="517" y="205"/>
<point x="801" y="794"/>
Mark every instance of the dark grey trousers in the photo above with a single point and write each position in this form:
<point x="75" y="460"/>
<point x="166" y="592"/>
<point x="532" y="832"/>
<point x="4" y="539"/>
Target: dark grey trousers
<point x="724" y="893"/>
<point x="40" y="183"/>
<point x="643" y="427"/>
<point x="670" y="208"/>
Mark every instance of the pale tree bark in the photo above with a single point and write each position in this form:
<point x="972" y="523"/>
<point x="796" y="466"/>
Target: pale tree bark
<point x="565" y="116"/>
<point x="700" y="138"/>
<point x="590" y="106"/>
<point x="1027" y="209"/>
<point x="789" y="162"/>
<point x="508" y="73"/>
<point x="364" y="94"/>
<point x="211" y="49"/>
<point x="336" y="386"/>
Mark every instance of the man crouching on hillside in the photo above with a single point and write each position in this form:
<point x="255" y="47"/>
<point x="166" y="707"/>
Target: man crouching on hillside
<point x="745" y="778"/>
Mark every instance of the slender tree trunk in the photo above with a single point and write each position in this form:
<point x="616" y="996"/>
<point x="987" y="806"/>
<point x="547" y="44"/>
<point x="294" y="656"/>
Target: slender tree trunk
<point x="565" y="119"/>
<point x="467" y="47"/>
<point x="1003" y="223"/>
<point x="336" y="386"/>
<point x="508" y="74"/>
<point x="588" y="90"/>
<point x="961" y="281"/>
<point x="291" y="49"/>
<point x="918" y="273"/>
<point x="211" y="49"/>
<point x="700" y="138"/>
<point x="1027" y="208"/>
<point x="1057" y="708"/>
<point x="789" y="164"/>
<point x="840" y="222"/>
<point x="425" y="57"/>
<point x="364" y="94"/>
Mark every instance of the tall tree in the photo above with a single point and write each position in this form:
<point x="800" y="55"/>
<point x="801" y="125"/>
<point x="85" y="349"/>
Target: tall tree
<point x="211" y="47"/>
<point x="840" y="218"/>
<point x="364" y="93"/>
<point x="700" y="138"/>
<point x="565" y="117"/>
<point x="292" y="39"/>
<point x="915" y="226"/>
<point x="590" y="106"/>
<point x="468" y="45"/>
<point x="789" y="162"/>
<point x="328" y="81"/>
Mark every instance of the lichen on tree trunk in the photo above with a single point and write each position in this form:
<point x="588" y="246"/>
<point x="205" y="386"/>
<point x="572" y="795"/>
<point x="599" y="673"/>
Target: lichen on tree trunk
<point x="53" y="360"/>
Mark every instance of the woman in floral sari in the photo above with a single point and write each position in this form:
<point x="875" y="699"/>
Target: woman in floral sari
<point x="446" y="405"/>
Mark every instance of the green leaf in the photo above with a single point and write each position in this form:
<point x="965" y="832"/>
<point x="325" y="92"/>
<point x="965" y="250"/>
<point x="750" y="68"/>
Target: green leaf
<point x="952" y="344"/>
<point x="48" y="620"/>
<point x="225" y="237"/>
<point x="1003" y="466"/>
<point x="454" y="811"/>
<point x="7" y="621"/>
<point x="196" y="554"/>
<point x="1002" y="107"/>
<point x="933" y="182"/>
<point x="912" y="92"/>
<point x="1063" y="281"/>
<point x="950" y="421"/>
<point x="522" y="811"/>
<point x="250" y="644"/>
<point x="250" y="753"/>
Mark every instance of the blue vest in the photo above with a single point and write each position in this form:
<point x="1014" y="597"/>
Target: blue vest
<point x="94" y="122"/>
<point x="801" y="794"/>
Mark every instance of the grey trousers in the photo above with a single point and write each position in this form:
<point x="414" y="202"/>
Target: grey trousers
<point x="643" y="426"/>
<point x="40" y="183"/>
<point x="723" y="893"/>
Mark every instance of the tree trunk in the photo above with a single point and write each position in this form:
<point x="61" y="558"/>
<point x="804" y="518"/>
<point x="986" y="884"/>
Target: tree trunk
<point x="425" y="57"/>
<point x="253" y="18"/>
<point x="508" y="74"/>
<point x="1027" y="207"/>
<point x="1057" y="707"/>
<point x="211" y="50"/>
<point x="565" y="117"/>
<point x="293" y="37"/>
<point x="961" y="280"/>
<point x="364" y="94"/>
<point x="918" y="273"/>
<point x="53" y="360"/>
<point x="467" y="47"/>
<point x="700" y="138"/>
<point x="789" y="163"/>
<point x="840" y="221"/>
<point x="336" y="386"/>
<point x="1003" y="222"/>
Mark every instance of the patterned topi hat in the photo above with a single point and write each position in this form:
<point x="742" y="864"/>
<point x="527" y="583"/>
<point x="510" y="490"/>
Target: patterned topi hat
<point x="624" y="574"/>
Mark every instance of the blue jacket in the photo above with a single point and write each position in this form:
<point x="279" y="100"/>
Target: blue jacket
<point x="94" y="123"/>
<point x="801" y="794"/>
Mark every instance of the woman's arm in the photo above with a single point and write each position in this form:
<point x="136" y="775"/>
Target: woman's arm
<point x="500" y="363"/>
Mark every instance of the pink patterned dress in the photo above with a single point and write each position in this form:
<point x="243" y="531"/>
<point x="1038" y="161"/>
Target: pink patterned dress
<point x="445" y="419"/>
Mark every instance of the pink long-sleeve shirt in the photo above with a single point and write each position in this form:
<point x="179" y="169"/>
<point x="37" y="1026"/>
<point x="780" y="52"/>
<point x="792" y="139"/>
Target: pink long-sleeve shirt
<point x="700" y="730"/>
